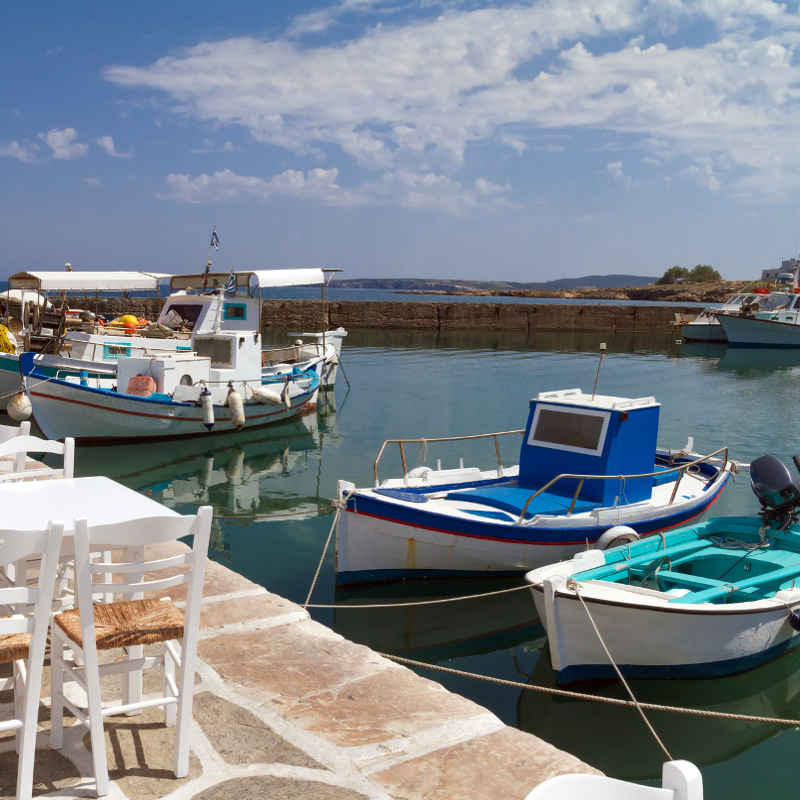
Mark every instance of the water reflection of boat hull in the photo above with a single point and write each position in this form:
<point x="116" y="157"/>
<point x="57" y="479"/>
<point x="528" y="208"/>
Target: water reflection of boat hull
<point x="771" y="691"/>
<point x="442" y="630"/>
<point x="758" y="360"/>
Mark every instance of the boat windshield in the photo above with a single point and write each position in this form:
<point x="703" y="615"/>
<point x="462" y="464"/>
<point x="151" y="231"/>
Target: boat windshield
<point x="774" y="301"/>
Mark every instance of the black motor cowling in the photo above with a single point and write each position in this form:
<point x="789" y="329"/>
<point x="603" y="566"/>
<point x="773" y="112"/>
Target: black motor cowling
<point x="776" y="489"/>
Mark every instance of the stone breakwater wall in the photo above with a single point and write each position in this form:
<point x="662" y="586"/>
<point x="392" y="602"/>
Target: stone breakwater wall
<point x="523" y="317"/>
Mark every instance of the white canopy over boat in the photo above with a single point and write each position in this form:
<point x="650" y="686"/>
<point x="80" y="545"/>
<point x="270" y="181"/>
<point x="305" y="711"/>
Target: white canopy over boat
<point x="87" y="281"/>
<point x="259" y="278"/>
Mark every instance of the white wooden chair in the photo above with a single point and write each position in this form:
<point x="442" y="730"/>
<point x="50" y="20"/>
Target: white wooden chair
<point x="9" y="431"/>
<point x="680" y="780"/>
<point x="23" y="636"/>
<point x="19" y="446"/>
<point x="129" y="624"/>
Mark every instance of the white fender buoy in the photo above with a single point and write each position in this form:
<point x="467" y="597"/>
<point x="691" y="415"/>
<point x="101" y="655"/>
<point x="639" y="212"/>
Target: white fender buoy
<point x="236" y="405"/>
<point x="234" y="470"/>
<point x="619" y="534"/>
<point x="267" y="394"/>
<point x="285" y="396"/>
<point x="19" y="407"/>
<point x="206" y="473"/>
<point x="208" y="408"/>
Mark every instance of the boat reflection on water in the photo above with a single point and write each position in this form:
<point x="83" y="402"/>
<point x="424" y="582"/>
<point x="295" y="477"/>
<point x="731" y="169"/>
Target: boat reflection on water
<point x="440" y="631"/>
<point x="632" y="753"/>
<point x="232" y="472"/>
<point x="755" y="361"/>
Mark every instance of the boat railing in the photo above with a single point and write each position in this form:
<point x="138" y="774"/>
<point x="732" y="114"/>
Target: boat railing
<point x="682" y="469"/>
<point x="426" y="441"/>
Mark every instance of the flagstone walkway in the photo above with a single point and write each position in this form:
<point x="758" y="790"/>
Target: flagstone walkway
<point x="286" y="708"/>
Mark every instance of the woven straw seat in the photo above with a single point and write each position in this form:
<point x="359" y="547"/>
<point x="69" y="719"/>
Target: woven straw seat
<point x="14" y="646"/>
<point x="126" y="624"/>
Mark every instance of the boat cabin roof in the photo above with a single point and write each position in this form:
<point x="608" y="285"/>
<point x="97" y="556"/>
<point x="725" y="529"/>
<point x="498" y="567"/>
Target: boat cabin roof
<point x="260" y="278"/>
<point x="601" y="402"/>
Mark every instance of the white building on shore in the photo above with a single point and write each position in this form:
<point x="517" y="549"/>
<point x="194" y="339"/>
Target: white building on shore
<point x="789" y="266"/>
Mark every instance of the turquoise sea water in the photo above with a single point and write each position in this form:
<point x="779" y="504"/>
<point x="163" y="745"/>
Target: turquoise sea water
<point x="271" y="489"/>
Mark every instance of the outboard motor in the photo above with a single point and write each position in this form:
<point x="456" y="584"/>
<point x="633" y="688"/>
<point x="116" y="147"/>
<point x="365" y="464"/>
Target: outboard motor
<point x="776" y="489"/>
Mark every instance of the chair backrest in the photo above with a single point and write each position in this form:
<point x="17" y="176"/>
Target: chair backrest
<point x="95" y="575"/>
<point x="24" y="444"/>
<point x="16" y="546"/>
<point x="10" y="431"/>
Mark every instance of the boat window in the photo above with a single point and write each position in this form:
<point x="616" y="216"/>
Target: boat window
<point x="774" y="301"/>
<point x="219" y="350"/>
<point x="582" y="431"/>
<point x="189" y="312"/>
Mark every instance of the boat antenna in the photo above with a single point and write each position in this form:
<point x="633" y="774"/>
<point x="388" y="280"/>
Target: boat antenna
<point x="603" y="348"/>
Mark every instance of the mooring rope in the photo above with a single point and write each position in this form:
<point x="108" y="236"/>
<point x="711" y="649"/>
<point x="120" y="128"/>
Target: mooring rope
<point x="409" y="603"/>
<point x="340" y="504"/>
<point x="532" y="687"/>
<point x="573" y="584"/>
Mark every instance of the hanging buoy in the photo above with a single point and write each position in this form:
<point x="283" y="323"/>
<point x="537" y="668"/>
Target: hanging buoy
<point x="208" y="408"/>
<point x="287" y="400"/>
<point x="236" y="405"/>
<point x="267" y="394"/>
<point x="19" y="407"/>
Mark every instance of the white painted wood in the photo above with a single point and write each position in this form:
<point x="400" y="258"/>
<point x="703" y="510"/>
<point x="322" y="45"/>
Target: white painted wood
<point x="19" y="446"/>
<point x="680" y="780"/>
<point x="135" y="535"/>
<point x="27" y="674"/>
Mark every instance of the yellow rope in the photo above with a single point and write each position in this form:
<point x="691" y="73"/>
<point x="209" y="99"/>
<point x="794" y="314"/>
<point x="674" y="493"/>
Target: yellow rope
<point x="5" y="343"/>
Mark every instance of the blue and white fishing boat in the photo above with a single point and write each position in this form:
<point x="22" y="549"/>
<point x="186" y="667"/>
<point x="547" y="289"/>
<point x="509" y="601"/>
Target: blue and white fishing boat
<point x="588" y="463"/>
<point x="710" y="599"/>
<point x="219" y="388"/>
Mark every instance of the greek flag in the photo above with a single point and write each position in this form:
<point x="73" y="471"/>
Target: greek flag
<point x="230" y="284"/>
<point x="214" y="239"/>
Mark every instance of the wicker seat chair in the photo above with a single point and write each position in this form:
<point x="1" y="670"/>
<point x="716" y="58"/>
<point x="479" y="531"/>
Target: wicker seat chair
<point x="23" y="635"/>
<point x="129" y="624"/>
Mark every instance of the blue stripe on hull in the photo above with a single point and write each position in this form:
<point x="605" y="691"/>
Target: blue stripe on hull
<point x="367" y="576"/>
<point x="359" y="504"/>
<point x="709" y="669"/>
<point x="756" y="346"/>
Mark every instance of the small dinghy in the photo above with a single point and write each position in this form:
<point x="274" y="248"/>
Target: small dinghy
<point x="588" y="463"/>
<point x="711" y="599"/>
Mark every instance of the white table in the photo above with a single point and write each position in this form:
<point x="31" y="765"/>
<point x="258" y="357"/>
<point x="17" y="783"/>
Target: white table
<point x="32" y="505"/>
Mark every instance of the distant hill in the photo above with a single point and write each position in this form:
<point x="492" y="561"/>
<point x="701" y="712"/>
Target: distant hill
<point x="445" y="285"/>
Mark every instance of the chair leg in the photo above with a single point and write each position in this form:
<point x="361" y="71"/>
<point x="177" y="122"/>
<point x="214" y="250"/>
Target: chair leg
<point x="98" y="738"/>
<point x="30" y="721"/>
<point x="184" y="712"/>
<point x="19" y="701"/>
<point x="170" y="710"/>
<point x="57" y="668"/>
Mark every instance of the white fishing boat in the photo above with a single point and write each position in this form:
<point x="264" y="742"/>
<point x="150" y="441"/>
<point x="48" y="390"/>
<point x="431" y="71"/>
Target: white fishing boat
<point x="706" y="326"/>
<point x="587" y="463"/>
<point x="218" y="388"/>
<point x="194" y="306"/>
<point x="710" y="599"/>
<point x="774" y="328"/>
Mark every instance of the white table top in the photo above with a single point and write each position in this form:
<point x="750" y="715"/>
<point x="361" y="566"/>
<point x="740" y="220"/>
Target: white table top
<point x="32" y="505"/>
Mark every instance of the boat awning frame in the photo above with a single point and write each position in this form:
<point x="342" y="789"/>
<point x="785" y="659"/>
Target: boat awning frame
<point x="87" y="281"/>
<point x="259" y="278"/>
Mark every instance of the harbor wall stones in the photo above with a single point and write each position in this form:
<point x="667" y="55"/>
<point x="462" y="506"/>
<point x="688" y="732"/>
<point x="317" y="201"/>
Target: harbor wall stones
<point x="524" y="317"/>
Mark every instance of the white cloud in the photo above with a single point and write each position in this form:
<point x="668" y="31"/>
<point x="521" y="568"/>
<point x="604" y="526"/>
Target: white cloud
<point x="399" y="187"/>
<point x="106" y="144"/>
<point x="615" y="172"/>
<point x="22" y="152"/>
<point x="410" y="98"/>
<point x="62" y="142"/>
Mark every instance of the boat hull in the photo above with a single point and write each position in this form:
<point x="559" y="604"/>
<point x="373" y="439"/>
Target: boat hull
<point x="383" y="540"/>
<point x="710" y="331"/>
<point x="755" y="332"/>
<point x="100" y="416"/>
<point x="659" y="641"/>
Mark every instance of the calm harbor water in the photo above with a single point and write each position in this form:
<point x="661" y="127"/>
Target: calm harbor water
<point x="271" y="489"/>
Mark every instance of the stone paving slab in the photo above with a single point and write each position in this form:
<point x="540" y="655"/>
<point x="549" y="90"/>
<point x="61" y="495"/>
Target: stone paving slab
<point x="287" y="708"/>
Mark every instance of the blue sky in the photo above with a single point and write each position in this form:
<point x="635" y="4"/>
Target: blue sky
<point x="517" y="141"/>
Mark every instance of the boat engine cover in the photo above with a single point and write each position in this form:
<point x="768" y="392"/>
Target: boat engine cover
<point x="775" y="487"/>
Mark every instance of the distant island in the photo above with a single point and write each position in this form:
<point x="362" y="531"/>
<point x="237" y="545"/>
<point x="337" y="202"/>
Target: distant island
<point x="588" y="287"/>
